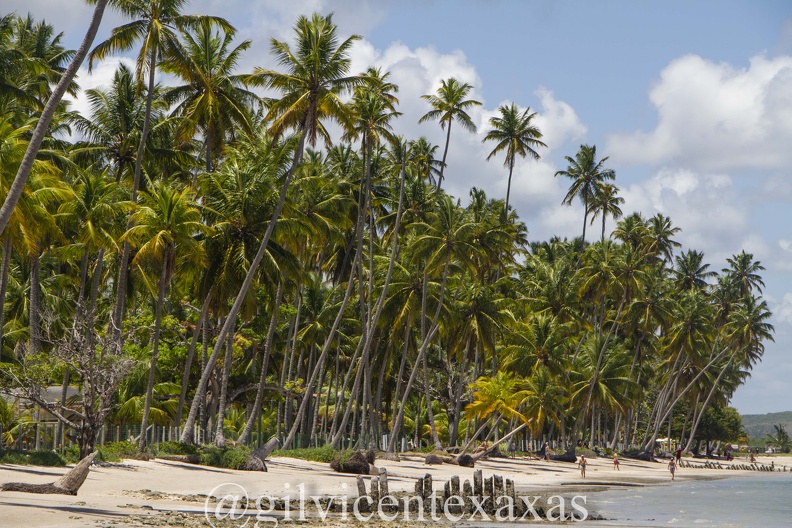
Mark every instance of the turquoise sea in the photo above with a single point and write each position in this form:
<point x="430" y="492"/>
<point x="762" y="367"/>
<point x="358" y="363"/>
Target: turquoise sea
<point x="763" y="500"/>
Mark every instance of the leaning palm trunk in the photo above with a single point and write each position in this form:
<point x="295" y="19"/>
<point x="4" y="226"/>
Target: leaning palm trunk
<point x="695" y="425"/>
<point x="681" y="394"/>
<point x="399" y="420"/>
<point x="42" y="127"/>
<point x="187" y="433"/>
<point x="190" y="356"/>
<point x="219" y="440"/>
<point x="369" y="334"/>
<point x="244" y="438"/>
<point x="4" y="283"/>
<point x="155" y="354"/>
<point x="35" y="305"/>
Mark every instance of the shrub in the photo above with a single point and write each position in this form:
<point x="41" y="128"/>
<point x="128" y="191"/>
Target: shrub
<point x="230" y="458"/>
<point x="325" y="453"/>
<point x="174" y="448"/>
<point x="350" y="462"/>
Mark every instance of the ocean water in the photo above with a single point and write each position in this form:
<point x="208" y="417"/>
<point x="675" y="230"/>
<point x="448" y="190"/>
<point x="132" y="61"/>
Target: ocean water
<point x="763" y="500"/>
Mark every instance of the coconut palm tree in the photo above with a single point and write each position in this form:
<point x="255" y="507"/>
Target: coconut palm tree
<point x="515" y="134"/>
<point x="155" y="23"/>
<point x="315" y="79"/>
<point x="165" y="232"/>
<point x="606" y="202"/>
<point x="449" y="104"/>
<point x="690" y="271"/>
<point x="587" y="175"/>
<point x="212" y="101"/>
<point x="743" y="272"/>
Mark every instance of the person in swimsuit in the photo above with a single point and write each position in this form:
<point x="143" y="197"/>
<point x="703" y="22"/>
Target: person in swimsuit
<point x="672" y="468"/>
<point x="582" y="465"/>
<point x="616" y="462"/>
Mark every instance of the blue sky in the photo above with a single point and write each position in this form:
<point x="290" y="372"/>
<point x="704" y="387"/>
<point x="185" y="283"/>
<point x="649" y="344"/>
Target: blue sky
<point x="692" y="101"/>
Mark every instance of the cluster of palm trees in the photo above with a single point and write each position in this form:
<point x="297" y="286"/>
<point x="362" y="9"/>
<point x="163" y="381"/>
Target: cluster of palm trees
<point x="265" y="285"/>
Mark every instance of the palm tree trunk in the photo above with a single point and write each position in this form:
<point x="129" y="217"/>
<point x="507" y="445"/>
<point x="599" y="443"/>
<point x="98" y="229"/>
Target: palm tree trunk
<point x="585" y="219"/>
<point x="91" y="316"/>
<point x="695" y="425"/>
<point x="508" y="189"/>
<point x="397" y="422"/>
<point x="187" y="432"/>
<point x="35" y="305"/>
<point x="163" y="284"/>
<point x="123" y="272"/>
<point x="7" y="249"/>
<point x="42" y="127"/>
<point x="191" y="355"/>
<point x="219" y="440"/>
<point x="244" y="438"/>
<point x="445" y="153"/>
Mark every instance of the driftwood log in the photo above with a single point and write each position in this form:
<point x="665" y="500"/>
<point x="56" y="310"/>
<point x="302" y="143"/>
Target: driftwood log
<point x="68" y="484"/>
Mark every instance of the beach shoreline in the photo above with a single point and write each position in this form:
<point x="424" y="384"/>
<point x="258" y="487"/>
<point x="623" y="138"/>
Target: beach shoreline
<point x="166" y="493"/>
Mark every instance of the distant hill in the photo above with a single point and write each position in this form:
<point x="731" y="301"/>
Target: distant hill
<point x="760" y="425"/>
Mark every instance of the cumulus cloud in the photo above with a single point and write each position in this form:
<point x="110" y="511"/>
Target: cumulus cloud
<point x="715" y="117"/>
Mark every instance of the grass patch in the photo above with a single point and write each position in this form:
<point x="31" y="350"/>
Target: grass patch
<point x="229" y="458"/>
<point x="173" y="448"/>
<point x="32" y="458"/>
<point x="325" y="453"/>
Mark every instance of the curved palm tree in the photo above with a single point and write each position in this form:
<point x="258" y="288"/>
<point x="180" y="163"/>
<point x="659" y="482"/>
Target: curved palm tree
<point x="165" y="230"/>
<point x="449" y="104"/>
<point x="212" y="101"/>
<point x="43" y="124"/>
<point x="514" y="133"/>
<point x="587" y="175"/>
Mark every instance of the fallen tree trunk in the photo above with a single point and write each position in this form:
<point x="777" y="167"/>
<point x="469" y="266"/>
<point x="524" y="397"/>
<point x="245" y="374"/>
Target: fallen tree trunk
<point x="68" y="484"/>
<point x="495" y="447"/>
<point x="256" y="459"/>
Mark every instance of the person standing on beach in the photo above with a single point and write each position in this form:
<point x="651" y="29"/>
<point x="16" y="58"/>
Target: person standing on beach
<point x="616" y="462"/>
<point x="582" y="465"/>
<point x="672" y="467"/>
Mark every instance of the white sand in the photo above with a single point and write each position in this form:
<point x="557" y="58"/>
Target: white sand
<point x="111" y="494"/>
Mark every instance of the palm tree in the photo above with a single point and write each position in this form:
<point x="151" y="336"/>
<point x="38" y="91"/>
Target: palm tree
<point x="514" y="133"/>
<point x="449" y="105"/>
<point x="743" y="272"/>
<point x="212" y="101"/>
<point x="587" y="175"/>
<point x="155" y="23"/>
<point x="165" y="229"/>
<point x="42" y="127"/>
<point x="316" y="77"/>
<point x="691" y="272"/>
<point x="606" y="202"/>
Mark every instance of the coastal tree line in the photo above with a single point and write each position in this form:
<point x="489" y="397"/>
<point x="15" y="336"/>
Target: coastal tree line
<point x="212" y="256"/>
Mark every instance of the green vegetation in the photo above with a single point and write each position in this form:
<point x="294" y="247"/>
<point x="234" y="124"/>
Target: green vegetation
<point x="325" y="453"/>
<point x="203" y="260"/>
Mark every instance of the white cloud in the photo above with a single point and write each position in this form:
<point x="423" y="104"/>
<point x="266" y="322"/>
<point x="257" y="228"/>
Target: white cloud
<point x="715" y="117"/>
<point x="783" y="311"/>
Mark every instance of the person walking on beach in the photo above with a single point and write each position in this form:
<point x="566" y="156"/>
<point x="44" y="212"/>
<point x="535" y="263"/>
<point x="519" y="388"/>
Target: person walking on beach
<point x="616" y="462"/>
<point x="582" y="465"/>
<point x="672" y="467"/>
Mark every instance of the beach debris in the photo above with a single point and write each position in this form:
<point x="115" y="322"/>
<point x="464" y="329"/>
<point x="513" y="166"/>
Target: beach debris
<point x="256" y="459"/>
<point x="433" y="460"/>
<point x="68" y="484"/>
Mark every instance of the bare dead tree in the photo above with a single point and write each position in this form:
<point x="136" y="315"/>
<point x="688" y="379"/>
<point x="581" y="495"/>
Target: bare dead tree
<point x="99" y="367"/>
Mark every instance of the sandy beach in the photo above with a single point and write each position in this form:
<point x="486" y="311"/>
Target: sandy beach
<point x="161" y="492"/>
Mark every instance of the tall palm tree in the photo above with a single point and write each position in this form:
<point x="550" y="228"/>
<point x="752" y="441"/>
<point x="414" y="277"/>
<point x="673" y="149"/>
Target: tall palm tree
<point x="449" y="104"/>
<point x="690" y="271"/>
<point x="514" y="133"/>
<point x="606" y="202"/>
<point x="155" y="23"/>
<point x="316" y="78"/>
<point x="42" y="127"/>
<point x="587" y="175"/>
<point x="213" y="100"/>
<point x="165" y="230"/>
